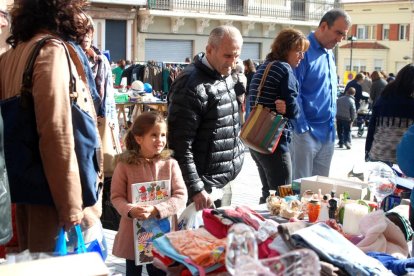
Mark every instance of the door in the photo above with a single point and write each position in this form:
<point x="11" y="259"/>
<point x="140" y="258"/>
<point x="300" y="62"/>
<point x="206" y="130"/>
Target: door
<point x="115" y="39"/>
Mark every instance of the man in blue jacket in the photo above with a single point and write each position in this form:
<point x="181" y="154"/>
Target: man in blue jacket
<point x="314" y="129"/>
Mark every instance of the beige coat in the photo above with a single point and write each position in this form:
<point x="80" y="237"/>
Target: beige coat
<point x="38" y="225"/>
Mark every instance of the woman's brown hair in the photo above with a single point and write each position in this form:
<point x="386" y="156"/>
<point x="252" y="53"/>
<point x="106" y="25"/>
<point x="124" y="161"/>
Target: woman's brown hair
<point x="287" y="40"/>
<point x="249" y="65"/>
<point x="29" y="17"/>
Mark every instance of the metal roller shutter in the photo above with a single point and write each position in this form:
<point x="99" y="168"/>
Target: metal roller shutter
<point x="168" y="50"/>
<point x="250" y="50"/>
<point x="115" y="39"/>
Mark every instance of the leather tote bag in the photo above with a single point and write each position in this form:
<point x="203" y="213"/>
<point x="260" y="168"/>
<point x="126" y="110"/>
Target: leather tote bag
<point x="263" y="128"/>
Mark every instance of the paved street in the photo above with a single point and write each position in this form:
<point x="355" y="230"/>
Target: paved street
<point x="247" y="186"/>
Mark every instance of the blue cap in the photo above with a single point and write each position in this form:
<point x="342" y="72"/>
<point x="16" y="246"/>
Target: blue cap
<point x="405" y="153"/>
<point x="147" y="87"/>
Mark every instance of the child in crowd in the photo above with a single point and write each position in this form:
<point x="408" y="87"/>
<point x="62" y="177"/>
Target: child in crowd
<point x="345" y="115"/>
<point x="145" y="160"/>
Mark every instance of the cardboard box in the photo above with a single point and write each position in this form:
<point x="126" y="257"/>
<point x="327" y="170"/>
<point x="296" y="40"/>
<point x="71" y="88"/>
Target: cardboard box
<point x="87" y="264"/>
<point x="356" y="190"/>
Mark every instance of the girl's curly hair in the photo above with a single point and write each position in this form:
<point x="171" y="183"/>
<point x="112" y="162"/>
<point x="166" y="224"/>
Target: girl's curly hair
<point x="29" y="17"/>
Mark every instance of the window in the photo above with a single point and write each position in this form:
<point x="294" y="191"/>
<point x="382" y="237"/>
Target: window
<point x="366" y="31"/>
<point x="358" y="65"/>
<point x="361" y="32"/>
<point x="385" y="31"/>
<point x="403" y="35"/>
<point x="346" y="61"/>
<point x="372" y="31"/>
<point x="399" y="65"/>
<point x="378" y="64"/>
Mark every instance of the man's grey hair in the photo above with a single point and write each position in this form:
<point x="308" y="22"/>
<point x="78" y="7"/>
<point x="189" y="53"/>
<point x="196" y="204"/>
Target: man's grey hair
<point x="331" y="16"/>
<point x="218" y="33"/>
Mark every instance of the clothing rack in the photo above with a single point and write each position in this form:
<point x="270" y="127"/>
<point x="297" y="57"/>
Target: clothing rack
<point x="161" y="81"/>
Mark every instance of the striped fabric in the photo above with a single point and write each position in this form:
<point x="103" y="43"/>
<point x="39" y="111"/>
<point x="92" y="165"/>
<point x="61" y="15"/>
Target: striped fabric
<point x="271" y="87"/>
<point x="263" y="129"/>
<point x="388" y="133"/>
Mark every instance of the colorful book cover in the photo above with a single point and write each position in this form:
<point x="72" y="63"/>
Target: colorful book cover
<point x="145" y="231"/>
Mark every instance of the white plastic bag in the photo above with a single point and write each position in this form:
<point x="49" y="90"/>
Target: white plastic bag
<point x="190" y="218"/>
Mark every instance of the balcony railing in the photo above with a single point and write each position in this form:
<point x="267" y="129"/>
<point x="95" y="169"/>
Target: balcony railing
<point x="282" y="9"/>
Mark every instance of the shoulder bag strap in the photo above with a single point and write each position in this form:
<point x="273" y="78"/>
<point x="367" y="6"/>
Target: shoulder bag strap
<point x="262" y="81"/>
<point x="28" y="72"/>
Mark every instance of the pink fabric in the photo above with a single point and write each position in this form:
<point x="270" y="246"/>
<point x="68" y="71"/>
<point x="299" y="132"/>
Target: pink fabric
<point x="265" y="251"/>
<point x="214" y="225"/>
<point x="382" y="235"/>
<point x="219" y="226"/>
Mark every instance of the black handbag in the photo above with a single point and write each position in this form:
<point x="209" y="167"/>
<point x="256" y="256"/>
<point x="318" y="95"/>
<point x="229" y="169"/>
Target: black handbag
<point x="110" y="217"/>
<point x="28" y="183"/>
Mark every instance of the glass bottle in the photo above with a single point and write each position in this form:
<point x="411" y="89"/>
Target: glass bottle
<point x="240" y="241"/>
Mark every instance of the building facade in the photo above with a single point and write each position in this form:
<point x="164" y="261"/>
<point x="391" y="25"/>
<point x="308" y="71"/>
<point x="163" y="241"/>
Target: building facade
<point x="382" y="37"/>
<point x="171" y="30"/>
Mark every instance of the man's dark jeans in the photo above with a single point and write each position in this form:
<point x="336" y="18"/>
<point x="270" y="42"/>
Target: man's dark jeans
<point x="343" y="128"/>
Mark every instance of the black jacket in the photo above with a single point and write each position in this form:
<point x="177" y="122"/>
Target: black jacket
<point x="203" y="127"/>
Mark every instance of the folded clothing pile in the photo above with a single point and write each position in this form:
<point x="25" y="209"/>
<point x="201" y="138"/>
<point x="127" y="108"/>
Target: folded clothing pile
<point x="202" y="250"/>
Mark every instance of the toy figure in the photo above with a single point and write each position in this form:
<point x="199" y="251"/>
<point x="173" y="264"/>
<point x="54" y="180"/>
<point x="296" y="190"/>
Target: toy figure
<point x="333" y="205"/>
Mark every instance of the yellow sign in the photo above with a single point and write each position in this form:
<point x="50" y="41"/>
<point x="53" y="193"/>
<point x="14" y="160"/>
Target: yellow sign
<point x="348" y="76"/>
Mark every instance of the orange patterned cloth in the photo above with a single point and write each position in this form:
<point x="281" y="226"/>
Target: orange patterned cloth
<point x="199" y="245"/>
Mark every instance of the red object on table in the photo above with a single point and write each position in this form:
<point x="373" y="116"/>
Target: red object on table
<point x="314" y="208"/>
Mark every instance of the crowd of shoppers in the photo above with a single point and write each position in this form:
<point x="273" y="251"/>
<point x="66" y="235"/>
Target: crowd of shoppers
<point x="205" y="114"/>
<point x="392" y="115"/>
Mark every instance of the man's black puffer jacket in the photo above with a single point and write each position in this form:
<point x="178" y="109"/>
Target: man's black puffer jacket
<point x="203" y="128"/>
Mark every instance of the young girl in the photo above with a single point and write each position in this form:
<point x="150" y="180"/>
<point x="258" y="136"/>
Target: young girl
<point x="145" y="160"/>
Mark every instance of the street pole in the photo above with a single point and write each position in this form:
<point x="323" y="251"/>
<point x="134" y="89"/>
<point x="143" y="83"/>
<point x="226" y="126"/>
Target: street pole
<point x="350" y="62"/>
<point x="352" y="39"/>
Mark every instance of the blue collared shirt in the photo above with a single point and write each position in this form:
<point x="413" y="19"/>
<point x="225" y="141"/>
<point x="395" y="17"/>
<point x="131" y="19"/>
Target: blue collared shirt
<point x="318" y="86"/>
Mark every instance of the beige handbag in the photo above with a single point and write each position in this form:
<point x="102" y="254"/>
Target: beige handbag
<point x="110" y="144"/>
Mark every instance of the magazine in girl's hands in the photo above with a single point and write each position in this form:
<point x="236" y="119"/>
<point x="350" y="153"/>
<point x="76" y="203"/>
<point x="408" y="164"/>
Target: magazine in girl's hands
<point x="145" y="231"/>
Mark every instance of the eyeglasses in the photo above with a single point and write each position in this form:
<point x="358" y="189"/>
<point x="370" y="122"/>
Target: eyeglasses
<point x="4" y="14"/>
<point x="300" y="53"/>
<point x="339" y="33"/>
